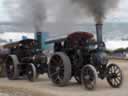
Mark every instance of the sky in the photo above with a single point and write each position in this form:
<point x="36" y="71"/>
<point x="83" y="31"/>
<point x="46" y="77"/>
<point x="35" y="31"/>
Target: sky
<point x="63" y="7"/>
<point x="55" y="11"/>
<point x="15" y="13"/>
<point x="19" y="16"/>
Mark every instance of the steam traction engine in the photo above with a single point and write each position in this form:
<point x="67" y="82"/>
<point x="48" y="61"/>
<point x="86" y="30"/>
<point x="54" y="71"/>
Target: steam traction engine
<point x="3" y="55"/>
<point x="25" y="59"/>
<point x="80" y="56"/>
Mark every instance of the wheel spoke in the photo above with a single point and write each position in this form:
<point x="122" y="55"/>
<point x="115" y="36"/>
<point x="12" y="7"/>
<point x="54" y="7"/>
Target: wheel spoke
<point x="53" y="74"/>
<point x="56" y="79"/>
<point x="53" y="61"/>
<point x="115" y="69"/>
<point x="89" y="77"/>
<point x="119" y="75"/>
<point x="113" y="81"/>
<point x="53" y="67"/>
<point x="119" y="79"/>
<point x="114" y="76"/>
<point x="62" y="66"/>
<point x="110" y="70"/>
<point x="116" y="81"/>
<point x="60" y="62"/>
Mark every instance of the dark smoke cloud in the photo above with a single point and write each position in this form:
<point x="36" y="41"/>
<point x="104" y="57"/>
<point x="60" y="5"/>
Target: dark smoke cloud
<point x="39" y="14"/>
<point x="28" y="15"/>
<point x="97" y="8"/>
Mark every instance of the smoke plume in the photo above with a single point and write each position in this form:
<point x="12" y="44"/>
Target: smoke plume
<point x="39" y="14"/>
<point x="97" y="8"/>
<point x="25" y="15"/>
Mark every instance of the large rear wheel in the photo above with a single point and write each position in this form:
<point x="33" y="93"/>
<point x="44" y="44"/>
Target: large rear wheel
<point x="59" y="69"/>
<point x="12" y="67"/>
<point x="114" y="76"/>
<point x="88" y="77"/>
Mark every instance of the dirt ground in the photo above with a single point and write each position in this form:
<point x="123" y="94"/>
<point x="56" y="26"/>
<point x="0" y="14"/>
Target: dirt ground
<point x="43" y="87"/>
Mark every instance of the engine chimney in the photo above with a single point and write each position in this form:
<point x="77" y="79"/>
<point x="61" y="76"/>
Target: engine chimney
<point x="99" y="33"/>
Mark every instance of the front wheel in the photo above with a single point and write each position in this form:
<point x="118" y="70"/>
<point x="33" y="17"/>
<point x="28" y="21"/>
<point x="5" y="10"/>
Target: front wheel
<point x="31" y="72"/>
<point x="88" y="77"/>
<point x="114" y="76"/>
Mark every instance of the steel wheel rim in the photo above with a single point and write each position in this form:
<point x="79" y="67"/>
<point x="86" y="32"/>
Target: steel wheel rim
<point x="10" y="68"/>
<point x="57" y="69"/>
<point x="114" y="76"/>
<point x="88" y="78"/>
<point x="30" y="72"/>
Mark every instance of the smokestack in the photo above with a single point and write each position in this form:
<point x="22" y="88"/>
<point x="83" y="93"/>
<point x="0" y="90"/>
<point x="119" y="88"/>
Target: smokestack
<point x="99" y="33"/>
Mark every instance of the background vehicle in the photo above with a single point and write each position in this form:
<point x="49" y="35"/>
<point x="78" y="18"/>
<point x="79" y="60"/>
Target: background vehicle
<point x="80" y="56"/>
<point x="3" y="55"/>
<point x="25" y="59"/>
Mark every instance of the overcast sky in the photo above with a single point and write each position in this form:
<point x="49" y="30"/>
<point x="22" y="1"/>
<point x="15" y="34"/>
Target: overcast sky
<point x="119" y="14"/>
<point x="26" y="15"/>
<point x="62" y="12"/>
<point x="56" y="10"/>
